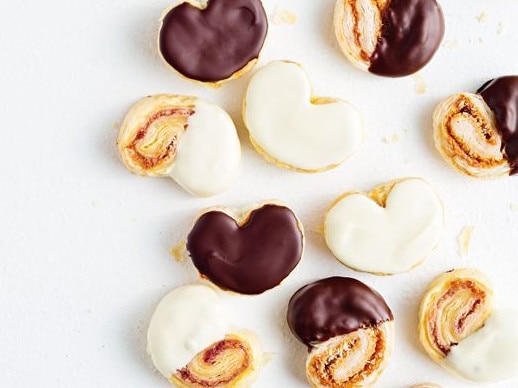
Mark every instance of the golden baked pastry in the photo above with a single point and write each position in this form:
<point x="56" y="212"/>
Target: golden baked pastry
<point x="185" y="138"/>
<point x="352" y="360"/>
<point x="466" y="136"/>
<point x="455" y="306"/>
<point x="233" y="362"/>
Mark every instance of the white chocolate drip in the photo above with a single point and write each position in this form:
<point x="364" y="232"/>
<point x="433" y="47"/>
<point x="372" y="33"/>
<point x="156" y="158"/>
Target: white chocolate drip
<point x="186" y="321"/>
<point x="491" y="353"/>
<point x="209" y="152"/>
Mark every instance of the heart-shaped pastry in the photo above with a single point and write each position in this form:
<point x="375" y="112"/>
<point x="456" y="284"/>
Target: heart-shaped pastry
<point x="390" y="230"/>
<point x="348" y="329"/>
<point x="247" y="253"/>
<point x="187" y="139"/>
<point x="213" y="41"/>
<point x="192" y="344"/>
<point x="477" y="134"/>
<point x="460" y="329"/>
<point x="391" y="38"/>
<point x="294" y="130"/>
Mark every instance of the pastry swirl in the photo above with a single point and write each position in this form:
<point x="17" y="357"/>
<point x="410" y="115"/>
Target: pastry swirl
<point x="351" y="360"/>
<point x="231" y="362"/>
<point x="466" y="135"/>
<point x="150" y="135"/>
<point x="358" y="26"/>
<point x="455" y="306"/>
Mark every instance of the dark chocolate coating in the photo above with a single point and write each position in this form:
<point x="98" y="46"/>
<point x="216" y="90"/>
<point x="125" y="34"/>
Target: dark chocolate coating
<point x="334" y="306"/>
<point x="249" y="259"/>
<point x="501" y="95"/>
<point x="411" y="33"/>
<point x="210" y="45"/>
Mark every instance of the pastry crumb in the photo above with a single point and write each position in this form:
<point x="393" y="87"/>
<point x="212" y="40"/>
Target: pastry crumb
<point x="116" y="125"/>
<point x="426" y="385"/>
<point x="480" y="40"/>
<point x="283" y="16"/>
<point x="451" y="44"/>
<point x="96" y="204"/>
<point x="514" y="206"/>
<point x="500" y="28"/>
<point x="392" y="138"/>
<point x="482" y="17"/>
<point x="420" y="84"/>
<point x="464" y="239"/>
<point x="178" y="251"/>
<point x="319" y="229"/>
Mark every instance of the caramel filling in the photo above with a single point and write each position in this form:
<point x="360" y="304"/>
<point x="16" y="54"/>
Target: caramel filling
<point x="361" y="26"/>
<point x="221" y="364"/>
<point x="471" y="135"/>
<point x="348" y="360"/>
<point x="156" y="143"/>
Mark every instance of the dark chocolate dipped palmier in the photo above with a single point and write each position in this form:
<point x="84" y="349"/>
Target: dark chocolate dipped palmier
<point x="247" y="253"/>
<point x="391" y="38"/>
<point x="215" y="43"/>
<point x="348" y="328"/>
<point x="477" y="133"/>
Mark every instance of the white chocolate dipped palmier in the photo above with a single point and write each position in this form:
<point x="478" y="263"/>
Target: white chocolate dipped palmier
<point x="192" y="344"/>
<point x="390" y="230"/>
<point x="185" y="138"/>
<point x="348" y="329"/>
<point x="460" y="329"/>
<point x="392" y="38"/>
<point x="294" y="130"/>
<point x="477" y="133"/>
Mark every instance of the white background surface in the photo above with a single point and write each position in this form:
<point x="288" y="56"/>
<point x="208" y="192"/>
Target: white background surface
<point x="84" y="245"/>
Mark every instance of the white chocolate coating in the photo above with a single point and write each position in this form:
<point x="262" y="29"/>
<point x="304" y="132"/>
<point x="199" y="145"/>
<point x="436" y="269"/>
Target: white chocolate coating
<point x="390" y="240"/>
<point x="491" y="353"/>
<point x="187" y="320"/>
<point x="209" y="152"/>
<point x="294" y="129"/>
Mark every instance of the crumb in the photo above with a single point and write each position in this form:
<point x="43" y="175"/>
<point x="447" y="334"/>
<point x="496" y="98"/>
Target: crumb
<point x="283" y="16"/>
<point x="116" y="125"/>
<point x="393" y="138"/>
<point x="464" y="239"/>
<point x="480" y="40"/>
<point x="178" y="251"/>
<point x="319" y="229"/>
<point x="451" y="44"/>
<point x="420" y="84"/>
<point x="482" y="17"/>
<point x="426" y="385"/>
<point x="500" y="28"/>
<point x="96" y="204"/>
<point x="514" y="206"/>
<point x="134" y="220"/>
